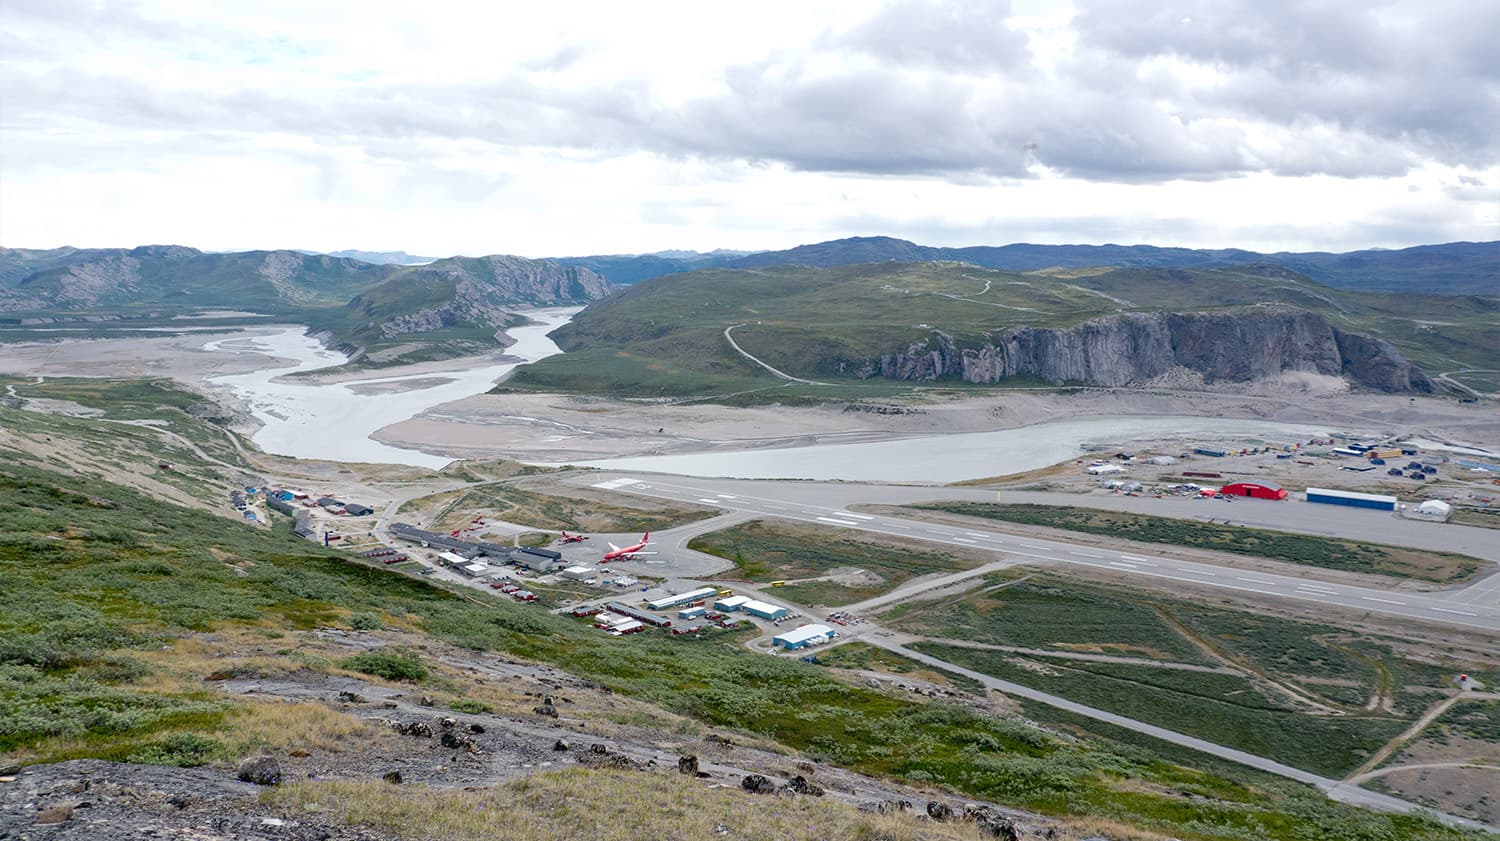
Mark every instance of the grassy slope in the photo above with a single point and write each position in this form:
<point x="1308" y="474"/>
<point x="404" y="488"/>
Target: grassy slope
<point x="803" y="320"/>
<point x="95" y="578"/>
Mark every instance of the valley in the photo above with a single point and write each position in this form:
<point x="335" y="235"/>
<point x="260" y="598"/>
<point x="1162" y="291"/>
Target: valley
<point x="942" y="519"/>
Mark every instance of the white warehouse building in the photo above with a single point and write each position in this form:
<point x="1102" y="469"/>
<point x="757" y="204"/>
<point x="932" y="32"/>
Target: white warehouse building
<point x="807" y="635"/>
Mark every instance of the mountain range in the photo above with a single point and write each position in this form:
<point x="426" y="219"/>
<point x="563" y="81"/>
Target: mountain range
<point x="1456" y="268"/>
<point x="446" y="307"/>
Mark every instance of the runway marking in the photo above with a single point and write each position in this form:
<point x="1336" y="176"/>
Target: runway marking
<point x="1450" y="610"/>
<point x="855" y="516"/>
<point x="1197" y="572"/>
<point x="1257" y="581"/>
<point x="613" y="484"/>
<point x="962" y="540"/>
<point x="1387" y="601"/>
<point x="1318" y="587"/>
<point x="1086" y="554"/>
<point x="1123" y="565"/>
<point x="837" y="522"/>
<point x="1138" y="560"/>
<point x="982" y="536"/>
<point x="725" y="496"/>
<point x="710" y="501"/>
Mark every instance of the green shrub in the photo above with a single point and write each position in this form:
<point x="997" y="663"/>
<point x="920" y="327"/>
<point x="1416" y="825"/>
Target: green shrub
<point x="180" y="750"/>
<point x="365" y="622"/>
<point x="391" y="665"/>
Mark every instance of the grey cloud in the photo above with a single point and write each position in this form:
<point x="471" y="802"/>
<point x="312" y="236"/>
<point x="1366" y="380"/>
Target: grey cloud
<point x="962" y="38"/>
<point x="953" y="95"/>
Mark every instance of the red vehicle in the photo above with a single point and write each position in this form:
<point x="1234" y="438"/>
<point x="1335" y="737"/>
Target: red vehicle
<point x="616" y="553"/>
<point x="524" y="596"/>
<point x="496" y="585"/>
<point x="572" y="538"/>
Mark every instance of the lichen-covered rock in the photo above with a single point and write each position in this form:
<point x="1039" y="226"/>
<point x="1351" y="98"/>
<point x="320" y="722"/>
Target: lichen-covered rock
<point x="260" y="770"/>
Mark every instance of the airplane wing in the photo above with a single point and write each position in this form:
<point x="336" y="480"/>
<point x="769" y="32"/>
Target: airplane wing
<point x="634" y="554"/>
<point x="612" y="547"/>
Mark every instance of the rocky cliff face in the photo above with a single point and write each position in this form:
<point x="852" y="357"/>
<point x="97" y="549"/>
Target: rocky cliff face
<point x="1230" y="346"/>
<point x="473" y="291"/>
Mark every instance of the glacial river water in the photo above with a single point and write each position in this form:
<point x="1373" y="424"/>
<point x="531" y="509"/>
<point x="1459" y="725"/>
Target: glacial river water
<point x="335" y="420"/>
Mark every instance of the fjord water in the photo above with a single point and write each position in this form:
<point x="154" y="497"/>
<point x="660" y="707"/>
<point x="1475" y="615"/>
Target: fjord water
<point x="334" y="421"/>
<point x="963" y="456"/>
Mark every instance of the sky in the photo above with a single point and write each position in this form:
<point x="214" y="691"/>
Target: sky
<point x="569" y="128"/>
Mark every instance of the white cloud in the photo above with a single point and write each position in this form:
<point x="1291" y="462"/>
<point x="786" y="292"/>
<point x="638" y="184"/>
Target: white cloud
<point x="577" y="128"/>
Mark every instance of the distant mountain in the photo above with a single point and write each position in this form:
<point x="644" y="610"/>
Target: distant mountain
<point x="626" y="269"/>
<point x="1459" y="268"/>
<point x="381" y="258"/>
<point x="440" y="308"/>
<point x="174" y="277"/>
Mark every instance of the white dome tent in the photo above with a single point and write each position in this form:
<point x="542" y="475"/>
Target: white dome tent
<point x="1434" y="509"/>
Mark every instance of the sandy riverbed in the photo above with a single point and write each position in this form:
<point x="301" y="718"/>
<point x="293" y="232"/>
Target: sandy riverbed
<point x="564" y="428"/>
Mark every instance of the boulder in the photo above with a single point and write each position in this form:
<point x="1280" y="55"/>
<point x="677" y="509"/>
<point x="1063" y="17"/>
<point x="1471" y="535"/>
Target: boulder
<point x="560" y="744"/>
<point x="940" y="811"/>
<point x="456" y="741"/>
<point x="800" y="785"/>
<point x="393" y="777"/>
<point x="687" y="765"/>
<point x="260" y="770"/>
<point x="757" y="784"/>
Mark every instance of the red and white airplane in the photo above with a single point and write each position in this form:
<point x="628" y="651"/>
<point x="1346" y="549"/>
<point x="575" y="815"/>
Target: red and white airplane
<point x="572" y="538"/>
<point x="615" y="553"/>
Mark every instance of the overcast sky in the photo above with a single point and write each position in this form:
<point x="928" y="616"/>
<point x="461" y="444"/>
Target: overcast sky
<point x="577" y="128"/>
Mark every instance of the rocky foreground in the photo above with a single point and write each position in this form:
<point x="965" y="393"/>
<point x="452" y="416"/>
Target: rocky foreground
<point x="417" y="751"/>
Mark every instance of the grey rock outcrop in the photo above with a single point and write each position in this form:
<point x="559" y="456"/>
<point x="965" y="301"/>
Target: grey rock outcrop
<point x="1229" y="346"/>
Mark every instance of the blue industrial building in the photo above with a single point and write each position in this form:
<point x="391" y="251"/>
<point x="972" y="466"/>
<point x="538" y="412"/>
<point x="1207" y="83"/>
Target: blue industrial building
<point x="1379" y="502"/>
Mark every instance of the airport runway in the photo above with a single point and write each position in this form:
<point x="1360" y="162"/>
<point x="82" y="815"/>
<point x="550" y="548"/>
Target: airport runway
<point x="825" y="504"/>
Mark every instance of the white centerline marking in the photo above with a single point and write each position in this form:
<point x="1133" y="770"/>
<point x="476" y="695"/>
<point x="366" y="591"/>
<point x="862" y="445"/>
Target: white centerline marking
<point x="855" y="516"/>
<point x="1197" y="572"/>
<point x="1459" y="612"/>
<point x="1086" y="554"/>
<point x="1122" y="564"/>
<point x="1387" y="601"/>
<point x="962" y="540"/>
<point x="1257" y="581"/>
<point x="837" y="522"/>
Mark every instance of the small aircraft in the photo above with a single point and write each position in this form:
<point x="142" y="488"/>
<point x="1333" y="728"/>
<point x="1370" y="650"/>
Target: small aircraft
<point x="572" y="538"/>
<point x="615" y="553"/>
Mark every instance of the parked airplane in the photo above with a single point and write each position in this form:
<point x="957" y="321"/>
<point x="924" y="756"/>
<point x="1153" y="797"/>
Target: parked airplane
<point x="572" y="538"/>
<point x="615" y="553"/>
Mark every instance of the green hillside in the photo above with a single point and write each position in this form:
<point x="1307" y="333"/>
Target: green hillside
<point x="806" y="321"/>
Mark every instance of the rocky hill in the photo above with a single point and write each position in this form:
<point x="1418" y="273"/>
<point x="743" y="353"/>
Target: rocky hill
<point x="937" y="322"/>
<point x="468" y="291"/>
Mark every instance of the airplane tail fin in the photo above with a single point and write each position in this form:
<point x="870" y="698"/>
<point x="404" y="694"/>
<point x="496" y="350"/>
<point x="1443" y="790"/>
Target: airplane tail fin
<point x="646" y="538"/>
